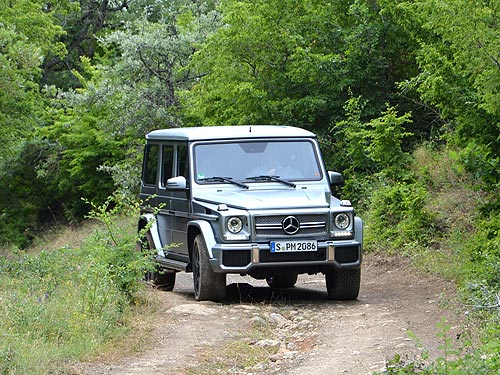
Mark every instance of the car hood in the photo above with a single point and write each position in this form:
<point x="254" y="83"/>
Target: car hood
<point x="268" y="198"/>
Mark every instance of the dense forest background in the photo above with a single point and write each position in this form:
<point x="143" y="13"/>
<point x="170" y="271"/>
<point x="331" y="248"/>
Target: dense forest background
<point x="83" y="81"/>
<point x="403" y="94"/>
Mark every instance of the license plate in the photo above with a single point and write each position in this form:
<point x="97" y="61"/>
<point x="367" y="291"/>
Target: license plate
<point x="291" y="246"/>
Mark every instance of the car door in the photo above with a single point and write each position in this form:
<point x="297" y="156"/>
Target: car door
<point x="163" y="195"/>
<point x="180" y="199"/>
<point x="174" y="201"/>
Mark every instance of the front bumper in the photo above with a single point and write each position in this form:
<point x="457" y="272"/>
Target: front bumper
<point x="246" y="258"/>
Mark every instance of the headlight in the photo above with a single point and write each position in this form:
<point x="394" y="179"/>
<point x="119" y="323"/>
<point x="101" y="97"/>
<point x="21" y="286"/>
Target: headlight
<point x="342" y="221"/>
<point x="234" y="224"/>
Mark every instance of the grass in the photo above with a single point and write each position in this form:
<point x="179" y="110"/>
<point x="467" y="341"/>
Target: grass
<point x="234" y="355"/>
<point x="462" y="245"/>
<point x="65" y="303"/>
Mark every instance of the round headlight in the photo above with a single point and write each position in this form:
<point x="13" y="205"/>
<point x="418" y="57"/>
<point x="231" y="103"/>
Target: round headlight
<point x="234" y="224"/>
<point x="342" y="221"/>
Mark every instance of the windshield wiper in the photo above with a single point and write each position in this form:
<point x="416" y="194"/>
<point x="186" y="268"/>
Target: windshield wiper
<point x="271" y="178"/>
<point x="224" y="179"/>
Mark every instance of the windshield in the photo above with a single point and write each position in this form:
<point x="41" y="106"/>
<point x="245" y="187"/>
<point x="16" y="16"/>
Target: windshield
<point x="246" y="161"/>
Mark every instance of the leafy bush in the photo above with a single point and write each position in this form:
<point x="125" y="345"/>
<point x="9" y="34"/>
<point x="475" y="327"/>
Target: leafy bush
<point x="452" y="361"/>
<point x="398" y="217"/>
<point x="60" y="305"/>
<point x="482" y="252"/>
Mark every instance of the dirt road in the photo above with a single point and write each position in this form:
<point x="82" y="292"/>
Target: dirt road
<point x="306" y="334"/>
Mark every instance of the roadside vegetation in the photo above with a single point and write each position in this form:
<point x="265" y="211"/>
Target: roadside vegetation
<point x="62" y="304"/>
<point x="404" y="96"/>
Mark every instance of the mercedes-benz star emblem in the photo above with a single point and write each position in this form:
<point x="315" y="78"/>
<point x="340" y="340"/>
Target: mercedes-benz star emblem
<point x="290" y="225"/>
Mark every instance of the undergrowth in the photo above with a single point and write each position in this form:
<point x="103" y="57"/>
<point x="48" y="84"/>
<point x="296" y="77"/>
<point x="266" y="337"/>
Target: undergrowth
<point x="438" y="215"/>
<point x="61" y="305"/>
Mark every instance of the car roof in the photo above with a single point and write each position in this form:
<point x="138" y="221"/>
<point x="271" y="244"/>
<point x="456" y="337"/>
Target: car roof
<point x="228" y="132"/>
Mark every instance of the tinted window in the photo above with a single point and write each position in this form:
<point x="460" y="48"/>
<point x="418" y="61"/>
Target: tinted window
<point x="168" y="163"/>
<point x="182" y="161"/>
<point x="150" y="164"/>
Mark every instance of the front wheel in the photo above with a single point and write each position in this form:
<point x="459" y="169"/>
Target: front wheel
<point x="343" y="284"/>
<point x="208" y="285"/>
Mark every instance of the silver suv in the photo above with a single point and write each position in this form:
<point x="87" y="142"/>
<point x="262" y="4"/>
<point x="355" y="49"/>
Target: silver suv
<point x="250" y="200"/>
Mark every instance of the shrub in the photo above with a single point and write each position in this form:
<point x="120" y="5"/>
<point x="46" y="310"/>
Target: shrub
<point x="398" y="217"/>
<point x="60" y="305"/>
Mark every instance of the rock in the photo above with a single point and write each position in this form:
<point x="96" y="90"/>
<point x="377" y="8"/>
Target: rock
<point x="193" y="309"/>
<point x="278" y="318"/>
<point x="268" y="343"/>
<point x="257" y="321"/>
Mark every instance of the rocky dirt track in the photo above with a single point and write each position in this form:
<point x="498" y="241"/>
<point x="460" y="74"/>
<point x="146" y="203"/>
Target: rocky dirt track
<point x="307" y="333"/>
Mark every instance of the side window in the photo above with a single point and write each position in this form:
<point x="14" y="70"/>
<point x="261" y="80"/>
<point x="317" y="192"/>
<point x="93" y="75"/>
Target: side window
<point x="182" y="161"/>
<point x="167" y="163"/>
<point x="149" y="171"/>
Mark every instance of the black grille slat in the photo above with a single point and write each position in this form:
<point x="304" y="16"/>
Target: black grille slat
<point x="267" y="257"/>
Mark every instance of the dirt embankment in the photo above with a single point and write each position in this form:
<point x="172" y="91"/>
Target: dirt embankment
<point x="306" y="334"/>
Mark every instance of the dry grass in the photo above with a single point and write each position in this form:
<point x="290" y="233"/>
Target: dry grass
<point x="454" y="200"/>
<point x="70" y="270"/>
<point x="58" y="238"/>
<point x="234" y="356"/>
<point x="452" y="193"/>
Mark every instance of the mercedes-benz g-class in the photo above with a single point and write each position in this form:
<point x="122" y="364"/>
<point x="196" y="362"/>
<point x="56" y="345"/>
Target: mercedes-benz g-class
<point x="250" y="200"/>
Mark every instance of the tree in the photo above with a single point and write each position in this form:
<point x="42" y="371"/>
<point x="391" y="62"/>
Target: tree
<point x="292" y="62"/>
<point x="28" y="33"/>
<point x="84" y="21"/>
<point x="145" y="69"/>
<point x="460" y="76"/>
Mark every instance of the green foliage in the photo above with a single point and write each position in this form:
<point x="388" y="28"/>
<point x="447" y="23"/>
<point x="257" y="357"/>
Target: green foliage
<point x="61" y="305"/>
<point x="398" y="218"/>
<point x="145" y="68"/>
<point x="483" y="360"/>
<point x="291" y="63"/>
<point x="386" y="135"/>
<point x="373" y="146"/>
<point x="27" y="34"/>
<point x="369" y="153"/>
<point x="352" y="137"/>
<point x="459" y="72"/>
<point x="481" y="253"/>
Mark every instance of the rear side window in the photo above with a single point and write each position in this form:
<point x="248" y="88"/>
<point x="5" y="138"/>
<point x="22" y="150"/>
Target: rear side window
<point x="182" y="161"/>
<point x="150" y="167"/>
<point x="168" y="163"/>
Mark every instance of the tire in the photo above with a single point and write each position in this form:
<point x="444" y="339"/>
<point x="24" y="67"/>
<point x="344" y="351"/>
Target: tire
<point x="343" y="284"/>
<point x="282" y="280"/>
<point x="162" y="279"/>
<point x="208" y="285"/>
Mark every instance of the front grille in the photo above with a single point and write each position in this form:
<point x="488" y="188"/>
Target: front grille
<point x="310" y="224"/>
<point x="306" y="256"/>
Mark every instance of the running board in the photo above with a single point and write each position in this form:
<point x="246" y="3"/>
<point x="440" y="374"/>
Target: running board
<point x="173" y="264"/>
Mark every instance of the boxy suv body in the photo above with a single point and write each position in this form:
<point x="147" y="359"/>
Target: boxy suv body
<point x="249" y="200"/>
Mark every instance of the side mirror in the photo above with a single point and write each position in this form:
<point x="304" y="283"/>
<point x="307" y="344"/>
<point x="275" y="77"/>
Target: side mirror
<point x="336" y="178"/>
<point x="178" y="182"/>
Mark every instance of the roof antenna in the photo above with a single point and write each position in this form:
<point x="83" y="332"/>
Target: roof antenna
<point x="250" y="129"/>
